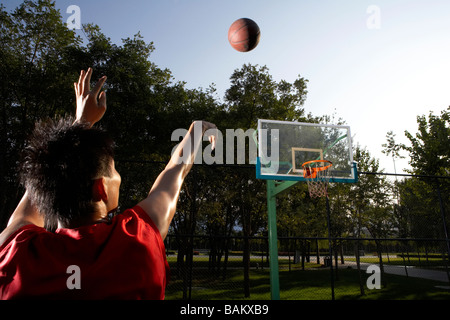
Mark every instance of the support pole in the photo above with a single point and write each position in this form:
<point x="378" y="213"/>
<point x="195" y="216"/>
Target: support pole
<point x="330" y="247"/>
<point x="273" y="241"/>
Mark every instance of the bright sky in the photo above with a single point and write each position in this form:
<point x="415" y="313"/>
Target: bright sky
<point x="378" y="64"/>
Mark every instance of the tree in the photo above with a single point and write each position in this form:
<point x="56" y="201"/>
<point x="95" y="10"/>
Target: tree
<point x="42" y="58"/>
<point x="429" y="149"/>
<point x="418" y="210"/>
<point x="392" y="148"/>
<point x="423" y="199"/>
<point x="37" y="81"/>
<point x="430" y="154"/>
<point x="370" y="208"/>
<point x="253" y="95"/>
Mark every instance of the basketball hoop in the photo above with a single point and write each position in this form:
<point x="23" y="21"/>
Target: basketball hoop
<point x="316" y="174"/>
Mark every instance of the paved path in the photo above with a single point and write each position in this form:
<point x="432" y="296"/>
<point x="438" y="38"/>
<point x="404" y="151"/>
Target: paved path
<point x="410" y="271"/>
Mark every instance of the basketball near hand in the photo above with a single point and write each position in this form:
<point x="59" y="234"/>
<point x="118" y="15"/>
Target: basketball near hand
<point x="244" y="35"/>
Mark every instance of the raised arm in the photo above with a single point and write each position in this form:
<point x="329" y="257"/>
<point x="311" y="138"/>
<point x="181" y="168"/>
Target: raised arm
<point x="162" y="199"/>
<point x="91" y="106"/>
<point x="24" y="214"/>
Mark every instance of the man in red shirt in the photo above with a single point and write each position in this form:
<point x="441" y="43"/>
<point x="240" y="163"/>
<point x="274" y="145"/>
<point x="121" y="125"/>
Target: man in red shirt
<point x="71" y="181"/>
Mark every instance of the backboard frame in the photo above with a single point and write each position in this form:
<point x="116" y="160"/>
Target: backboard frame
<point x="295" y="173"/>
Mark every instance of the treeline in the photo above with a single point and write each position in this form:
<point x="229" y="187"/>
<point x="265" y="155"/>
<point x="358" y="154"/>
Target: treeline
<point x="40" y="59"/>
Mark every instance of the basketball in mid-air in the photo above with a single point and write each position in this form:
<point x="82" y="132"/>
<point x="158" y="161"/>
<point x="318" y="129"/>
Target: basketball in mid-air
<point x="244" y="35"/>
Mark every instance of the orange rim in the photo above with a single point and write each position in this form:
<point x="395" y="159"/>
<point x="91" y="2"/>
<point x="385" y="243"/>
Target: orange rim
<point x="312" y="172"/>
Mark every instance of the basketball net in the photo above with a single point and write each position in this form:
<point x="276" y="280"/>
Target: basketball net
<point x="316" y="174"/>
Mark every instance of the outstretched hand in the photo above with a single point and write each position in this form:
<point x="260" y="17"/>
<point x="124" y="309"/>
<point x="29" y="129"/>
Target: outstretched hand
<point x="91" y="104"/>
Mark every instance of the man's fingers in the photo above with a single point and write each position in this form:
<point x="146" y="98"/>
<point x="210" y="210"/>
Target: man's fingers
<point x="80" y="83"/>
<point x="212" y="135"/>
<point x="102" y="100"/>
<point x="80" y="79"/>
<point x="87" y="81"/>
<point x="98" y="86"/>
<point x="212" y="140"/>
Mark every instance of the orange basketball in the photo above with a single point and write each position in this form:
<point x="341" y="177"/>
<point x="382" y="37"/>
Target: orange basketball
<point x="244" y="35"/>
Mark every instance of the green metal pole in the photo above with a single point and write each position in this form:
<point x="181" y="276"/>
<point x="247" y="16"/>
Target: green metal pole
<point x="273" y="241"/>
<point x="330" y="247"/>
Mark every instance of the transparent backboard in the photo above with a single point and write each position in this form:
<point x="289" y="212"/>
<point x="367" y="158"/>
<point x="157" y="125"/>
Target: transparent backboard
<point x="284" y="146"/>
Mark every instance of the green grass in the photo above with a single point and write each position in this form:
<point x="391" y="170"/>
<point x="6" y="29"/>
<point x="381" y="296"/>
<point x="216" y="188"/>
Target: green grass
<point x="430" y="263"/>
<point x="310" y="284"/>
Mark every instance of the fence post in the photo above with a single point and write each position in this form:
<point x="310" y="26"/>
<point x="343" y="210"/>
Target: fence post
<point x="444" y="222"/>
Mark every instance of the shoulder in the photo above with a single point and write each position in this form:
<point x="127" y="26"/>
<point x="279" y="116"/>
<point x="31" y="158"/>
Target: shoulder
<point x="132" y="229"/>
<point x="136" y="219"/>
<point x="14" y="229"/>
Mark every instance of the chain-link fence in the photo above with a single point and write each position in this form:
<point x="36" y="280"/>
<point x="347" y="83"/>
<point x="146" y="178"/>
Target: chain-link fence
<point x="407" y="269"/>
<point x="389" y="236"/>
<point x="407" y="257"/>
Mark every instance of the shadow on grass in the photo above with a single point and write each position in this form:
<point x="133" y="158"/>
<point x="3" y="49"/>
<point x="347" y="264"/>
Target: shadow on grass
<point x="305" y="285"/>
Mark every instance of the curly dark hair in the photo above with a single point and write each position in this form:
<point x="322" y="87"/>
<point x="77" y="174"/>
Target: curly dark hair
<point x="59" y="164"/>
